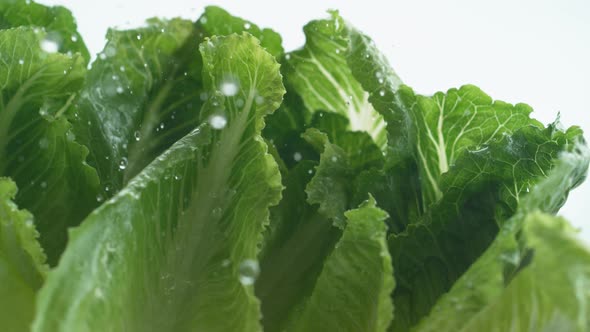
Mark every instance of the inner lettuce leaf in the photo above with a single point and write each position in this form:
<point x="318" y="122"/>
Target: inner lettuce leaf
<point x="38" y="149"/>
<point x="22" y="262"/>
<point x="176" y="249"/>
<point x="320" y="75"/>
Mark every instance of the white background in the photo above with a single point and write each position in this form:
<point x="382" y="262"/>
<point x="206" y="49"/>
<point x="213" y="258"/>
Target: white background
<point x="532" y="51"/>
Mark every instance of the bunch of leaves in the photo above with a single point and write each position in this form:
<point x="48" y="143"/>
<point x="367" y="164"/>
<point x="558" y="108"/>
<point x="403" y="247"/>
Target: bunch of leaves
<point x="196" y="177"/>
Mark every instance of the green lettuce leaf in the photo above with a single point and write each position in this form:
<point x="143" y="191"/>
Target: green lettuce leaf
<point x="481" y="192"/>
<point x="296" y="243"/>
<point x="487" y="278"/>
<point x="176" y="249"/>
<point x="37" y="147"/>
<point x="145" y="91"/>
<point x="22" y="262"/>
<point x="549" y="293"/>
<point x="320" y="75"/>
<point x="140" y="96"/>
<point x="352" y="292"/>
<point x="448" y="124"/>
<point x="217" y="22"/>
<point x="343" y="157"/>
<point x="57" y="21"/>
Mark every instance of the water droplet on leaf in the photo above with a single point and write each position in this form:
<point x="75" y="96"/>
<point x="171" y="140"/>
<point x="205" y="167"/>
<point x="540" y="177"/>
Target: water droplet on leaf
<point x="248" y="272"/>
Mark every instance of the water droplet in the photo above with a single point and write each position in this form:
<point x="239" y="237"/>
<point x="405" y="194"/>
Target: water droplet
<point x="287" y="56"/>
<point x="120" y="89"/>
<point x="203" y="20"/>
<point x="240" y="102"/>
<point x="43" y="184"/>
<point x="337" y="51"/>
<point x="204" y="96"/>
<point x="48" y="45"/>
<point x="248" y="272"/>
<point x="21" y="62"/>
<point x="122" y="68"/>
<point x="74" y="38"/>
<point x="310" y="171"/>
<point x="99" y="198"/>
<point x="334" y="159"/>
<point x="225" y="263"/>
<point x="162" y="125"/>
<point x="380" y="80"/>
<point x="123" y="163"/>
<point x="137" y="135"/>
<point x="229" y="88"/>
<point x="177" y="177"/>
<point x="259" y="100"/>
<point x="218" y="121"/>
<point x="138" y="36"/>
<point x="102" y="56"/>
<point x="297" y="156"/>
<point x="247" y="26"/>
<point x="382" y="93"/>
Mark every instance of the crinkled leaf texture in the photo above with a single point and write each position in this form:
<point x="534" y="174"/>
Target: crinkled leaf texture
<point x="176" y="249"/>
<point x="319" y="73"/>
<point x="22" y="262"/>
<point x="535" y="248"/>
<point x="37" y="147"/>
<point x="57" y="21"/>
<point x="145" y="91"/>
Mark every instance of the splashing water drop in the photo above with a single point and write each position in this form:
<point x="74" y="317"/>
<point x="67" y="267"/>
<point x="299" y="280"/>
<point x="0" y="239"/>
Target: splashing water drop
<point x="218" y="121"/>
<point x="229" y="88"/>
<point x="49" y="45"/>
<point x="248" y="272"/>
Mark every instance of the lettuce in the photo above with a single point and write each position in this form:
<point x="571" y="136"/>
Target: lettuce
<point x="198" y="177"/>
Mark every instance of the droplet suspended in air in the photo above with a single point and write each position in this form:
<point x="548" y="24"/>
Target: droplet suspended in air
<point x="218" y="121"/>
<point x="382" y="93"/>
<point x="137" y="136"/>
<point x="21" y="62"/>
<point x="49" y="45"/>
<point x="248" y="272"/>
<point x="74" y="38"/>
<point x="297" y="156"/>
<point x="229" y="87"/>
<point x="120" y="90"/>
<point x="247" y="26"/>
